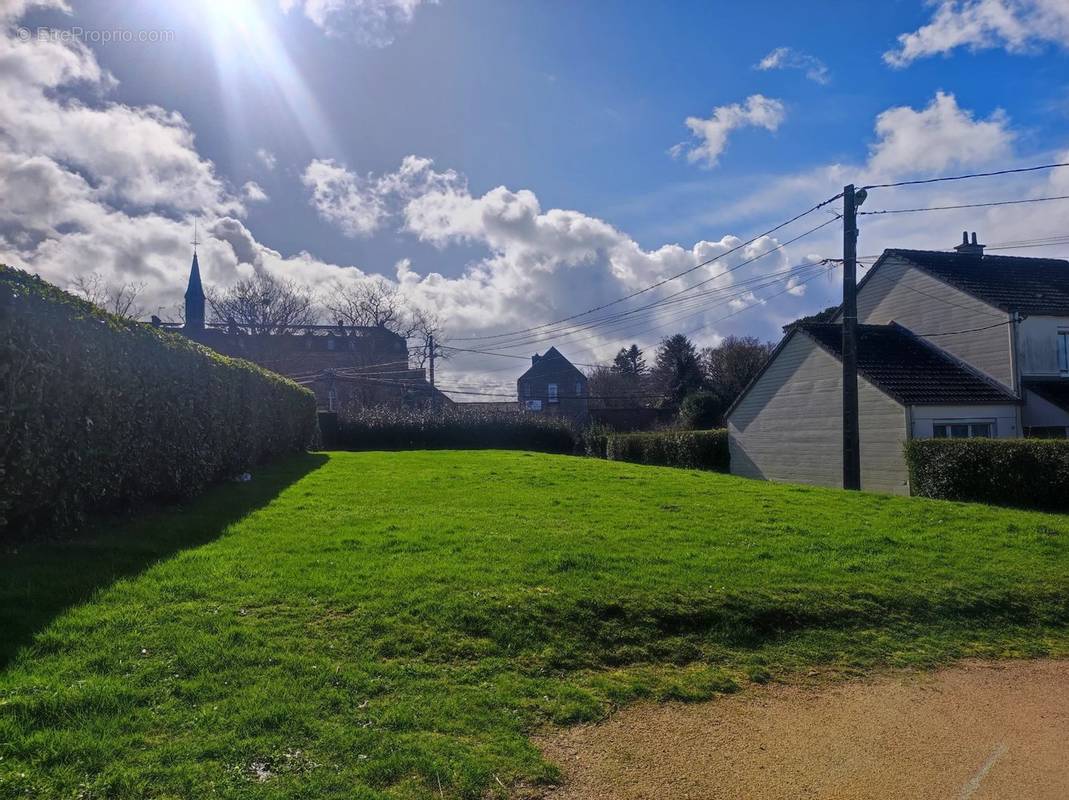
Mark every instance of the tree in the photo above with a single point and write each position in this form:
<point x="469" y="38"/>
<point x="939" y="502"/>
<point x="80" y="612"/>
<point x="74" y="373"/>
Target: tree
<point x="264" y="304"/>
<point x="827" y="315"/>
<point x="373" y="303"/>
<point x="611" y="388"/>
<point x="731" y="365"/>
<point x="629" y="361"/>
<point x="118" y="299"/>
<point x="676" y="371"/>
<point x="701" y="411"/>
<point x="425" y="327"/>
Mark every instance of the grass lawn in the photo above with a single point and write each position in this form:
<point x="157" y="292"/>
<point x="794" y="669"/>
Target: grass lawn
<point x="394" y="624"/>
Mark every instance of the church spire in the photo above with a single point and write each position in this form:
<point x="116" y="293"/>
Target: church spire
<point x="195" y="291"/>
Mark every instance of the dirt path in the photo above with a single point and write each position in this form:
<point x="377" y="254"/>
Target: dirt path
<point x="975" y="732"/>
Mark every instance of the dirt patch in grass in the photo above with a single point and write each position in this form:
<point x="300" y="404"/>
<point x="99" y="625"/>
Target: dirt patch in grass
<point x="979" y="730"/>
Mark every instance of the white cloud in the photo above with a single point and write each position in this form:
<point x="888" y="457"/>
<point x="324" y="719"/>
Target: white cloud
<point x="373" y="22"/>
<point x="344" y="198"/>
<point x="789" y="58"/>
<point x="267" y="158"/>
<point x="939" y="136"/>
<point x="254" y="192"/>
<point x="712" y="134"/>
<point x="1014" y="25"/>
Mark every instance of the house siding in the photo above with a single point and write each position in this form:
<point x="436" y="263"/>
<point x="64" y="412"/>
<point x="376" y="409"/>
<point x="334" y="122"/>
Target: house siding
<point x="899" y="292"/>
<point x="788" y="427"/>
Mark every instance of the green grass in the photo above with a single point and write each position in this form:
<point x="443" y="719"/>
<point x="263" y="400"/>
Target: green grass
<point x="396" y="624"/>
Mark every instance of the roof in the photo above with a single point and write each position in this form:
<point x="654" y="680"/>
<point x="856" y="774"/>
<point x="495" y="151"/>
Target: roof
<point x="908" y="368"/>
<point x="1012" y="283"/>
<point x="549" y="365"/>
<point x="1054" y="391"/>
<point x="194" y="288"/>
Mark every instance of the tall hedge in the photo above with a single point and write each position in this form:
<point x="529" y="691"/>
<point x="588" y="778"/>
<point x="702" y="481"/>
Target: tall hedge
<point x="98" y="412"/>
<point x="397" y="429"/>
<point x="691" y="449"/>
<point x="1029" y="473"/>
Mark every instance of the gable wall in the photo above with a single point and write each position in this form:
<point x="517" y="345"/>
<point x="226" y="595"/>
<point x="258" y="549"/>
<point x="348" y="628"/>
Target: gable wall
<point x="788" y="427"/>
<point x="901" y="293"/>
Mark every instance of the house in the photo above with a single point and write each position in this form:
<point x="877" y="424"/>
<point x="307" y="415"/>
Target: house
<point x="950" y="344"/>
<point x="342" y="364"/>
<point x="553" y="385"/>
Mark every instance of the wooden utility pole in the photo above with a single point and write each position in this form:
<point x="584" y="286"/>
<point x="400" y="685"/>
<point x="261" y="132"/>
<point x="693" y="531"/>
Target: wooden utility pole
<point x="851" y="426"/>
<point x="430" y="354"/>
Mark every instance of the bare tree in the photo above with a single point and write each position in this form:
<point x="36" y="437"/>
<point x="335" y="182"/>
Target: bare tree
<point x="611" y="388"/>
<point x="374" y="303"/>
<point x="264" y="304"/>
<point x="118" y="299"/>
<point x="425" y="329"/>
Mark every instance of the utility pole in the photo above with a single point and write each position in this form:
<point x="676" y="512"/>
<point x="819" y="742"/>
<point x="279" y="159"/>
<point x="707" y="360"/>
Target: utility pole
<point x="430" y="353"/>
<point x="851" y="426"/>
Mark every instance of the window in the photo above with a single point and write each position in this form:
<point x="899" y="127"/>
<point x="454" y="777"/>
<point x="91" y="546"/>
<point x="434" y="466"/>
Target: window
<point x="578" y="388"/>
<point x="551" y="392"/>
<point x="1063" y="352"/>
<point x="330" y="343"/>
<point x="963" y="430"/>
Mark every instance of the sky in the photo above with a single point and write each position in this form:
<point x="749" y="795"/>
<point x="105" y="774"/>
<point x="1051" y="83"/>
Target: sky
<point x="510" y="164"/>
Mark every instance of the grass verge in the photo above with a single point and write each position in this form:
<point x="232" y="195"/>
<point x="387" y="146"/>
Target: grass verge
<point x="395" y="624"/>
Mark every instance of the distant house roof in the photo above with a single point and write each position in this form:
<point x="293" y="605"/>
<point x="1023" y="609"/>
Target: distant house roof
<point x="549" y="365"/>
<point x="1012" y="283"/>
<point x="1054" y="391"/>
<point x="909" y="369"/>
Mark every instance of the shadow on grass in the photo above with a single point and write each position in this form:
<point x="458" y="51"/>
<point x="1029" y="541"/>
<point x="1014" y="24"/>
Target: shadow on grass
<point x="40" y="580"/>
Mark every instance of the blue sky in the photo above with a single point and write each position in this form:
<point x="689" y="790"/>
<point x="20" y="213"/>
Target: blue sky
<point x="570" y="106"/>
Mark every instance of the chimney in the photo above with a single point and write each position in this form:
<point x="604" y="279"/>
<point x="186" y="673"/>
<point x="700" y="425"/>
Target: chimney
<point x="535" y="359"/>
<point x="967" y="248"/>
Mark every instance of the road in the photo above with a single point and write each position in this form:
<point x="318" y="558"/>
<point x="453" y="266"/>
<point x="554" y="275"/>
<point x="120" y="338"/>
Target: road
<point x="974" y="732"/>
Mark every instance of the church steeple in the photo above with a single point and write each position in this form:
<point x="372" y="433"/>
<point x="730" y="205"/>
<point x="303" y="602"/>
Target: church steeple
<point x="195" y="292"/>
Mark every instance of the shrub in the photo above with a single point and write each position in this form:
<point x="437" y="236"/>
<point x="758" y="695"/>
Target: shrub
<point x="691" y="449"/>
<point x="595" y="439"/>
<point x="1029" y="473"/>
<point x="385" y="428"/>
<point x="99" y="412"/>
<point x="700" y="411"/>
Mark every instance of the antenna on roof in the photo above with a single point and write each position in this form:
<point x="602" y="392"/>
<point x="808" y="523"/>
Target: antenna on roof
<point x="195" y="241"/>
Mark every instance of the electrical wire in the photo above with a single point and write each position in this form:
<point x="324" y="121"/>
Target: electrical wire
<point x="966" y="205"/>
<point x="663" y="281"/>
<point x="964" y="177"/>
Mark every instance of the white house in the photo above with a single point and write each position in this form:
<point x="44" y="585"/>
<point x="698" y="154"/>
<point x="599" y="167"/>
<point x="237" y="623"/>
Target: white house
<point x="950" y="344"/>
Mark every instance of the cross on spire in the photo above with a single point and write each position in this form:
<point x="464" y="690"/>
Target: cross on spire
<point x="195" y="241"/>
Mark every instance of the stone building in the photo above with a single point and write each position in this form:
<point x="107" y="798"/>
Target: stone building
<point x="553" y="385"/>
<point x="345" y="365"/>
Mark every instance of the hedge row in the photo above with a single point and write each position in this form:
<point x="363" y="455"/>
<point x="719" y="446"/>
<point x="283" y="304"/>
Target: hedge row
<point x="1030" y="473"/>
<point x="97" y="413"/>
<point x="690" y="449"/>
<point x="397" y="429"/>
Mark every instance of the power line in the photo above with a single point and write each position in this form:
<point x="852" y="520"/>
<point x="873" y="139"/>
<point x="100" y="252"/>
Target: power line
<point x="967" y="330"/>
<point x="568" y="330"/>
<point x="963" y="177"/>
<point x="660" y="282"/>
<point x="966" y="205"/>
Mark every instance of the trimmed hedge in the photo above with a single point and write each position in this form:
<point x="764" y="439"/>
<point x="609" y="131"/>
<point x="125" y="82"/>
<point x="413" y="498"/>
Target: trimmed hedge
<point x="397" y="429"/>
<point x="690" y="449"/>
<point x="97" y="412"/>
<point x="1028" y="473"/>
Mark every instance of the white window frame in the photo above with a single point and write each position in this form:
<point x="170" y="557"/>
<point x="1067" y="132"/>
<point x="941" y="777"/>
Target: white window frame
<point x="552" y="395"/>
<point x="1063" y="351"/>
<point x="992" y="426"/>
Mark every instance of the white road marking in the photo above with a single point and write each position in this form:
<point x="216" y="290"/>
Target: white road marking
<point x="969" y="789"/>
